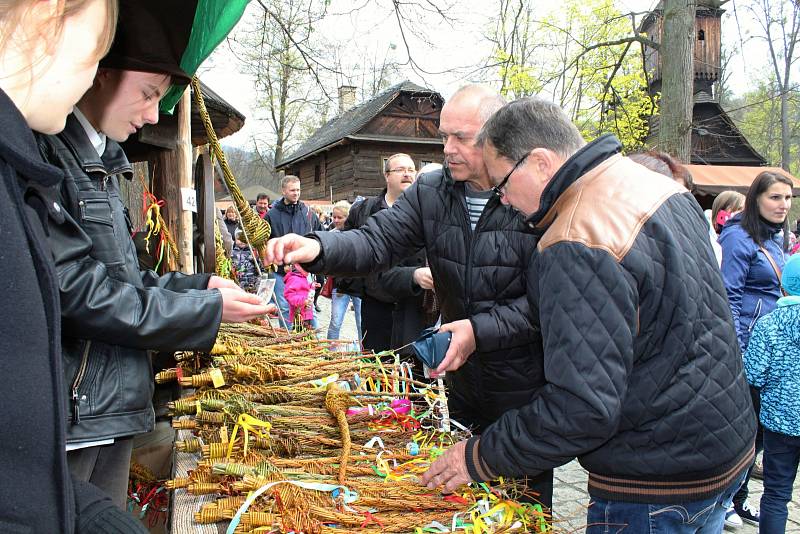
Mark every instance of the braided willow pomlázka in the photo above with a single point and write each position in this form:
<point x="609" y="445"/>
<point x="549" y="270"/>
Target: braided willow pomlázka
<point x="255" y="228"/>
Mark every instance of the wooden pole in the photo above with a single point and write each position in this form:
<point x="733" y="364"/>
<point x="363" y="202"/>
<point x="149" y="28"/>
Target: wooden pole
<point x="208" y="211"/>
<point x="183" y="175"/>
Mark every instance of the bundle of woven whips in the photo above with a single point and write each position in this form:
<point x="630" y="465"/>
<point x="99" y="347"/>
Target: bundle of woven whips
<point x="294" y="437"/>
<point x="255" y="228"/>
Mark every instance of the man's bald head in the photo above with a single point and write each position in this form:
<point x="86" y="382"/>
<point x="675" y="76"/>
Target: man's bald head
<point x="481" y="98"/>
<point x="461" y="119"/>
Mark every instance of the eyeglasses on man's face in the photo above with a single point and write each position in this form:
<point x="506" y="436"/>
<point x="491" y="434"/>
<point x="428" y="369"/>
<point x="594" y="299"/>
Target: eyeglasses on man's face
<point x="404" y="170"/>
<point x="498" y="189"/>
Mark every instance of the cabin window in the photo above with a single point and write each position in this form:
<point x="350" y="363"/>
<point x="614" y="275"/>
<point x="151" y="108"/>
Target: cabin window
<point x="701" y="35"/>
<point x="317" y="174"/>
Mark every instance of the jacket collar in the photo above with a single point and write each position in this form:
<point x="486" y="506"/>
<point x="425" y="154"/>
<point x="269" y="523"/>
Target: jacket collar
<point x="113" y="160"/>
<point x="789" y="300"/>
<point x="288" y="208"/>
<point x="576" y="166"/>
<point x="18" y="147"/>
<point x="459" y="189"/>
<point x="380" y="202"/>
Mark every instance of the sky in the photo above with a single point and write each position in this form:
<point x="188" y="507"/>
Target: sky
<point x="449" y="56"/>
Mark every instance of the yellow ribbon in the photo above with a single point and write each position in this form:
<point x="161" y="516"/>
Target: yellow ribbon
<point x="248" y="424"/>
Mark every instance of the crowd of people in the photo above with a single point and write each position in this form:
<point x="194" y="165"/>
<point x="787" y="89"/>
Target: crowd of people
<point x="619" y="333"/>
<point x="593" y="311"/>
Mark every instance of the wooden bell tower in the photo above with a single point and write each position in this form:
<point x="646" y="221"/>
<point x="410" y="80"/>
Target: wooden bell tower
<point x="707" y="48"/>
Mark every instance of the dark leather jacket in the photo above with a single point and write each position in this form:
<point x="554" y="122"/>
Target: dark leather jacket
<point x="112" y="312"/>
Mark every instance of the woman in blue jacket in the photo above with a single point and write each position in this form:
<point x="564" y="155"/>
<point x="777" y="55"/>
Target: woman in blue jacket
<point x="753" y="246"/>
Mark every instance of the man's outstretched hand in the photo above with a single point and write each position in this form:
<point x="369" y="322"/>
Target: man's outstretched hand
<point x="449" y="471"/>
<point x="291" y="248"/>
<point x="216" y="282"/>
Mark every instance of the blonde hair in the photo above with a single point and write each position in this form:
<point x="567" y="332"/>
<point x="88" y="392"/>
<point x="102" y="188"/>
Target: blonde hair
<point x="13" y="11"/>
<point x="342" y="207"/>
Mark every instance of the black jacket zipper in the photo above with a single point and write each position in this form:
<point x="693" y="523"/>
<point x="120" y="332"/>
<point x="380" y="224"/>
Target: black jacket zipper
<point x="76" y="383"/>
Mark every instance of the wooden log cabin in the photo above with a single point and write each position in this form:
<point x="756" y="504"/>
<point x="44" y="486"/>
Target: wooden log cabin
<point x="344" y="158"/>
<point x="716" y="140"/>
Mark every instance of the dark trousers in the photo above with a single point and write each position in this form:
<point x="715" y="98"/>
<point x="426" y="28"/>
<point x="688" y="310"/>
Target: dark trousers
<point x="741" y="495"/>
<point x="105" y="466"/>
<point x="781" y="458"/>
<point x="376" y="324"/>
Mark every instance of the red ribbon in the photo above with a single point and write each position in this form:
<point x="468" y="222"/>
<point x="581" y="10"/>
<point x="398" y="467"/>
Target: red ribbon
<point x="369" y="518"/>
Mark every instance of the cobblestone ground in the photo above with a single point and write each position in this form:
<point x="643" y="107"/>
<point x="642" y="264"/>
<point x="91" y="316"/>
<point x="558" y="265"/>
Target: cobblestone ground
<point x="570" y="498"/>
<point x="570" y="501"/>
<point x="348" y="330"/>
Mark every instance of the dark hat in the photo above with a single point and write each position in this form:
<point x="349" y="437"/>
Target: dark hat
<point x="152" y="37"/>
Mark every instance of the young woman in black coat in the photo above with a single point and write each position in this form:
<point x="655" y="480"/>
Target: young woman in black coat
<point x="49" y="52"/>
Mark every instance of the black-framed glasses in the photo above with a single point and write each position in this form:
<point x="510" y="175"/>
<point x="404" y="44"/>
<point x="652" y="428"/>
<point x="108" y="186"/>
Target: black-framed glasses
<point x="498" y="189"/>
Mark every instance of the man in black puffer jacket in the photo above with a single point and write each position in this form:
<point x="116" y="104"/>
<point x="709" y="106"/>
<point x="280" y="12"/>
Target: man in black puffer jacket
<point x="644" y="377"/>
<point x="391" y="301"/>
<point x="478" y="251"/>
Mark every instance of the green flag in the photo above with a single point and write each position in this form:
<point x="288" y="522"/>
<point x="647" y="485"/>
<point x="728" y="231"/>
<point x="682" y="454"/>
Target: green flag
<point x="213" y="21"/>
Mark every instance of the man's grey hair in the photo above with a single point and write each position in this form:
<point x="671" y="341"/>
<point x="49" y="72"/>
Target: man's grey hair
<point x="490" y="100"/>
<point x="289" y="179"/>
<point x="528" y="123"/>
<point x="388" y="163"/>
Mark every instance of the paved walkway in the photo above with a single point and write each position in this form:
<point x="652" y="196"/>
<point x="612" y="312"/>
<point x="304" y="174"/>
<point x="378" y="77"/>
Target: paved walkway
<point x="570" y="501"/>
<point x="570" y="498"/>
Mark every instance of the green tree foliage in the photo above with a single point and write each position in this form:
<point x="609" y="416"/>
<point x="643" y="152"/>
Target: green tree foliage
<point x="582" y="55"/>
<point x="758" y="115"/>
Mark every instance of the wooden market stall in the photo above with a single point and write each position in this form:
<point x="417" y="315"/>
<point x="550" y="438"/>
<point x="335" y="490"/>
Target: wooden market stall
<point x="711" y="180"/>
<point x="172" y="155"/>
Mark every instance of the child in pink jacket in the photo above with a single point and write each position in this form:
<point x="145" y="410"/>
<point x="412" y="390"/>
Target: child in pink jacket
<point x="296" y="291"/>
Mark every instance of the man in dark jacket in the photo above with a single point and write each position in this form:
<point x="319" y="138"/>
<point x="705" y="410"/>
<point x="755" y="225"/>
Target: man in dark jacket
<point x="288" y="215"/>
<point x="478" y="251"/>
<point x="112" y="312"/>
<point x="262" y="205"/>
<point x="644" y="379"/>
<point x="391" y="301"/>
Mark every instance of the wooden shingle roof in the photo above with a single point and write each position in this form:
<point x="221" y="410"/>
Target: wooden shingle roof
<point x="351" y="121"/>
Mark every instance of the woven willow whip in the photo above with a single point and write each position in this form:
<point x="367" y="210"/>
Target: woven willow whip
<point x="255" y="228"/>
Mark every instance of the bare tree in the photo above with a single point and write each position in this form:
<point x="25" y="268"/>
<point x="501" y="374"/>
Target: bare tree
<point x="583" y="56"/>
<point x="296" y="71"/>
<point x="779" y="20"/>
<point x="282" y="79"/>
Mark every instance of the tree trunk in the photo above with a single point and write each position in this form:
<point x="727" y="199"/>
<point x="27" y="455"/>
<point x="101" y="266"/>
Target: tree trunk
<point x="677" y="56"/>
<point x="786" y="155"/>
